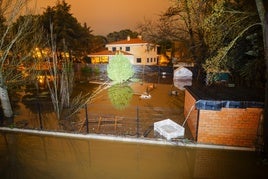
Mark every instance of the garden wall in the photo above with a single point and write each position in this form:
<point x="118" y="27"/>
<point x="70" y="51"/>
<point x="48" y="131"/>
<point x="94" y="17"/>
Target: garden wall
<point x="224" y="126"/>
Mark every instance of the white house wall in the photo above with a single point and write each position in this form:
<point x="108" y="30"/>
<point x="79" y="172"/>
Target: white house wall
<point x="138" y="51"/>
<point x="129" y="57"/>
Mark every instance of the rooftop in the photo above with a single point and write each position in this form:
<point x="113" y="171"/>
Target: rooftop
<point x="129" y="41"/>
<point x="208" y="97"/>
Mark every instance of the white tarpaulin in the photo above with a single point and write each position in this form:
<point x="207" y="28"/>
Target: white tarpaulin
<point x="182" y="73"/>
<point x="182" y="77"/>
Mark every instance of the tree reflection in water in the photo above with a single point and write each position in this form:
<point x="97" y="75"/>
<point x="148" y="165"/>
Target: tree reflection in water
<point x="120" y="95"/>
<point x="36" y="102"/>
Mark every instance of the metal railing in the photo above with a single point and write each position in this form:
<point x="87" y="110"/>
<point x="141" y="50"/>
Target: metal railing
<point x="100" y="119"/>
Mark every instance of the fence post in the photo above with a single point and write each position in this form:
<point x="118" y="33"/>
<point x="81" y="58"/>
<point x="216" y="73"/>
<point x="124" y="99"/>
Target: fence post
<point x="137" y="130"/>
<point x="86" y="118"/>
<point x="39" y="107"/>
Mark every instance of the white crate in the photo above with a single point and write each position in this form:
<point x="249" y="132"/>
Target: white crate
<point x="169" y="129"/>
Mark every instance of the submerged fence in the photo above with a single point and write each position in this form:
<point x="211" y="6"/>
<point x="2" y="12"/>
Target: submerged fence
<point x="100" y="119"/>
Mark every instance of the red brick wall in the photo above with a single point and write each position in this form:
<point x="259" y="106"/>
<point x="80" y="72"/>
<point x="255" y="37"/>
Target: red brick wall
<point x="229" y="126"/>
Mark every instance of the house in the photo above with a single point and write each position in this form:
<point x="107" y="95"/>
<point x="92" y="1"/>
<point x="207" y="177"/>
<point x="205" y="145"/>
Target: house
<point x="138" y="51"/>
<point x="105" y="55"/>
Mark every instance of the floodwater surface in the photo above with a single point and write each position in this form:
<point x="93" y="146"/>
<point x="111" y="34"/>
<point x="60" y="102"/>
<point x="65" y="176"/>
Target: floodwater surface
<point x="44" y="157"/>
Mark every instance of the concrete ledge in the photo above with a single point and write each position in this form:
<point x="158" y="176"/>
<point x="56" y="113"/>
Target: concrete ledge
<point x="180" y="142"/>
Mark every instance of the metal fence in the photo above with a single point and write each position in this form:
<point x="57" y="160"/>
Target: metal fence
<point x="100" y="119"/>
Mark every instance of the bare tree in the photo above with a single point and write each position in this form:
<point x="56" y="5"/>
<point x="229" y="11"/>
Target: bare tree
<point x="61" y="87"/>
<point x="14" y="50"/>
<point x="62" y="72"/>
<point x="181" y="24"/>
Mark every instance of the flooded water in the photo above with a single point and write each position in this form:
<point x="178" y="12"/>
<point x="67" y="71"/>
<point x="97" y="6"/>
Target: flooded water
<point x="114" y="111"/>
<point x="31" y="156"/>
<point x="44" y="157"/>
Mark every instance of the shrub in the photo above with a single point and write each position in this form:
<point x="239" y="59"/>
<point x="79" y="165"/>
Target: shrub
<point x="120" y="69"/>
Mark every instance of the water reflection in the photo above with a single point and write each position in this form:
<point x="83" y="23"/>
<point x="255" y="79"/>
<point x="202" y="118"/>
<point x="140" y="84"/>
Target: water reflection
<point x="36" y="100"/>
<point x="34" y="156"/>
<point x="181" y="83"/>
<point x="120" y="95"/>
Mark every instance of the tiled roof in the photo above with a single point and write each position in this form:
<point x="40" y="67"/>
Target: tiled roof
<point x="107" y="52"/>
<point x="128" y="41"/>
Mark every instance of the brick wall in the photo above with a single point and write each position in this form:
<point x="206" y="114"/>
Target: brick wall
<point x="229" y="126"/>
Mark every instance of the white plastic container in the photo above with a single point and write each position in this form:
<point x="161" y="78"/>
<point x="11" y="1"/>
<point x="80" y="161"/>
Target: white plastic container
<point x="169" y="129"/>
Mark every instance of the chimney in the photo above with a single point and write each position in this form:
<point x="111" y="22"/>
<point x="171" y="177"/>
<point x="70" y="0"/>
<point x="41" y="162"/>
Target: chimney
<point x="140" y="37"/>
<point x="128" y="38"/>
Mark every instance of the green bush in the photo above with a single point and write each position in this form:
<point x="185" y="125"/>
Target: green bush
<point x="120" y="69"/>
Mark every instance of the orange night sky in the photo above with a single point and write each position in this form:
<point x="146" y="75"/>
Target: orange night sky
<point x="105" y="16"/>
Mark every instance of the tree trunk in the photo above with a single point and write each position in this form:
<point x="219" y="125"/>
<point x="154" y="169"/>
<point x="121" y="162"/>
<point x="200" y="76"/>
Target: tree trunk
<point x="5" y="102"/>
<point x="265" y="127"/>
<point x="264" y="20"/>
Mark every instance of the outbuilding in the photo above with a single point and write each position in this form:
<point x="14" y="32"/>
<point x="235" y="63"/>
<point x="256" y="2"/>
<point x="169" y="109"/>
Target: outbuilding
<point x="229" y="116"/>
